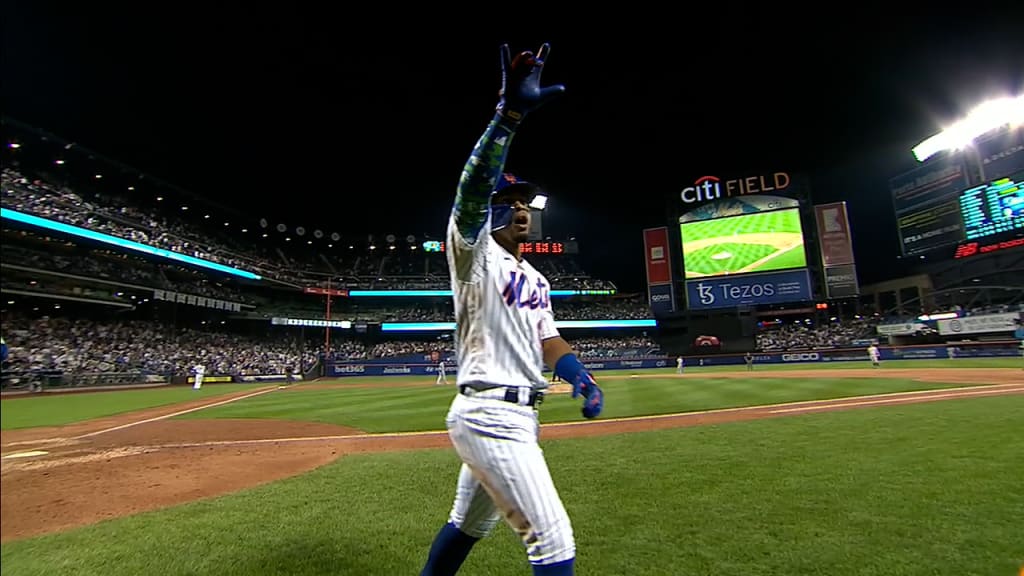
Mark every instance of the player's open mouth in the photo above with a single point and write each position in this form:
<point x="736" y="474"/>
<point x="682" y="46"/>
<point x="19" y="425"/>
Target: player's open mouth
<point x="521" y="218"/>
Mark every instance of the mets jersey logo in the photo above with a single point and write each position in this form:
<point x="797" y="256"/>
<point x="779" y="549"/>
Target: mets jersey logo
<point x="518" y="292"/>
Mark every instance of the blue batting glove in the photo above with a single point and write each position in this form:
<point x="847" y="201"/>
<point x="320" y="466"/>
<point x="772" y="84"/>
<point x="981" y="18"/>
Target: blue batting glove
<point x="570" y="369"/>
<point x="520" y="83"/>
<point x="594" y="402"/>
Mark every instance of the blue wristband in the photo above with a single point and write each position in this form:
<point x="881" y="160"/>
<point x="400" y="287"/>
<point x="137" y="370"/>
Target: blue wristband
<point x="569" y="368"/>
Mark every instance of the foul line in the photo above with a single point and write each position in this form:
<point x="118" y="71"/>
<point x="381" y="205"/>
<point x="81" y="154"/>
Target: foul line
<point x="894" y="400"/>
<point x="179" y="413"/>
<point x="831" y="403"/>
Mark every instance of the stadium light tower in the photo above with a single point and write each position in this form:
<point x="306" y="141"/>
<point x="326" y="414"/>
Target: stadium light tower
<point x="984" y="118"/>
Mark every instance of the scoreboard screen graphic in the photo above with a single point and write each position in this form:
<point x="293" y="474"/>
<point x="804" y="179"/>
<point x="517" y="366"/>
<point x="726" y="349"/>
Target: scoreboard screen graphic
<point x="993" y="208"/>
<point x="923" y="229"/>
<point x="748" y="243"/>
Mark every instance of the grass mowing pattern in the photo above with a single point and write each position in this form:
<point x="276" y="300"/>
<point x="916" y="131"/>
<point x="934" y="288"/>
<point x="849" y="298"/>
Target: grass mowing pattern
<point x="58" y="409"/>
<point x="423" y="408"/>
<point x="900" y="490"/>
<point x="715" y="247"/>
<point x="420" y="406"/>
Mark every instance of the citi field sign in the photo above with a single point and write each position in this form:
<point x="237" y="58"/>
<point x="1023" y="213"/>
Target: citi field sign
<point x="712" y="187"/>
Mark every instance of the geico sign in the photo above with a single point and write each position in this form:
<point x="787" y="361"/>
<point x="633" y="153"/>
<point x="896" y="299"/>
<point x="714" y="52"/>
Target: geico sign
<point x="710" y="187"/>
<point x="801" y="357"/>
<point x="660" y="298"/>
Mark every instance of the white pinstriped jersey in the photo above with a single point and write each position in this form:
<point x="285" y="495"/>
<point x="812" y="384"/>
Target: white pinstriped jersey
<point x="502" y="313"/>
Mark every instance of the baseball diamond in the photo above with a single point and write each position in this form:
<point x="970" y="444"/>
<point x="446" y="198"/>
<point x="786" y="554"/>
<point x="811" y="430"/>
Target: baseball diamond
<point x="170" y="455"/>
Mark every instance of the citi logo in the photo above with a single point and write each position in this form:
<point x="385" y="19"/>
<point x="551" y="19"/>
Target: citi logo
<point x="705" y="188"/>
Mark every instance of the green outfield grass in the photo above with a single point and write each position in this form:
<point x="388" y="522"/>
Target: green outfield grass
<point x="57" y="409"/>
<point x="401" y="409"/>
<point x="908" y="365"/>
<point x="929" y="489"/>
<point x="715" y="247"/>
<point x="414" y="408"/>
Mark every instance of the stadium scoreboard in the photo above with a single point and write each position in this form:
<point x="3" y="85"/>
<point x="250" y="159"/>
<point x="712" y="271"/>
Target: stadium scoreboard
<point x="993" y="208"/>
<point x="973" y="200"/>
<point x="537" y="247"/>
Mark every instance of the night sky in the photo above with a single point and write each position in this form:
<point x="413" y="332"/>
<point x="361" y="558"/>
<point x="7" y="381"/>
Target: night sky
<point x="319" y="108"/>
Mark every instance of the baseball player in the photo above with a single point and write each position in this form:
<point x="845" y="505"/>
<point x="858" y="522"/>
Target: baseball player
<point x="441" y="378"/>
<point x="749" y="359"/>
<point x="200" y="371"/>
<point x="873" y="354"/>
<point x="950" y="352"/>
<point x="505" y="335"/>
<point x="679" y="365"/>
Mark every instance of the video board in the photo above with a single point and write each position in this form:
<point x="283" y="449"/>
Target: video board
<point x="993" y="208"/>
<point x="747" y="243"/>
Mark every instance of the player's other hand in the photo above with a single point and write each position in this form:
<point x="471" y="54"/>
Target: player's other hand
<point x="520" y="82"/>
<point x="593" y="396"/>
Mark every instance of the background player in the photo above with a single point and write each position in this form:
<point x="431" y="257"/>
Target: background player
<point x="200" y="371"/>
<point x="873" y="355"/>
<point x="441" y="377"/>
<point x="749" y="359"/>
<point x="505" y="334"/>
<point x="679" y="365"/>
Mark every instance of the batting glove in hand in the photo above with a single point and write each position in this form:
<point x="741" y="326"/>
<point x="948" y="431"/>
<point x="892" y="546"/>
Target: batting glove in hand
<point x="520" y="83"/>
<point x="593" y="396"/>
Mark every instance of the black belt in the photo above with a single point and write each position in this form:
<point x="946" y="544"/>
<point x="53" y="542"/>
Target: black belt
<point x="511" y="395"/>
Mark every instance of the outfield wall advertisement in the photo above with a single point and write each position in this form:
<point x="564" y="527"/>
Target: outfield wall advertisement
<point x="1007" y="349"/>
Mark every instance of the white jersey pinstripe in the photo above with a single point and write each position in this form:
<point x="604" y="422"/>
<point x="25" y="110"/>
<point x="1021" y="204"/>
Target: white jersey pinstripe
<point x="502" y="313"/>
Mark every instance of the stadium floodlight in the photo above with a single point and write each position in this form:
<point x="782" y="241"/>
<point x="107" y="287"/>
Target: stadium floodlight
<point x="539" y="202"/>
<point x="985" y="118"/>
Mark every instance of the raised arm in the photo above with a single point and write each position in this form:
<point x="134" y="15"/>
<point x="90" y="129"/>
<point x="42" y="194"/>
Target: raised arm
<point x="520" y="94"/>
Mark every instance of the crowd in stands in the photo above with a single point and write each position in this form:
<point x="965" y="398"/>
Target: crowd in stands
<point x="391" y="266"/>
<point x="620" y="347"/>
<point x="802" y="335"/>
<point x="440" y="310"/>
<point x="633" y="308"/>
<point x="120" y="267"/>
<point x="116" y="217"/>
<point x="76" y="345"/>
<point x="69" y="344"/>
